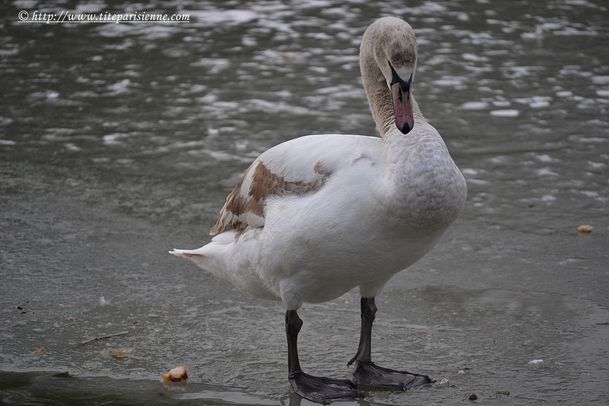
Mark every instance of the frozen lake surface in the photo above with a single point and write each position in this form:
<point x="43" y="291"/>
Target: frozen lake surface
<point x="119" y="142"/>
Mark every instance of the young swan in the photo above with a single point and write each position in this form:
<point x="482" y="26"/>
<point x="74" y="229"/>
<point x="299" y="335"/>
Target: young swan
<point x="317" y="216"/>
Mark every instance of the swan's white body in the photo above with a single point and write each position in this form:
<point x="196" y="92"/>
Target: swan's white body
<point x="316" y="216"/>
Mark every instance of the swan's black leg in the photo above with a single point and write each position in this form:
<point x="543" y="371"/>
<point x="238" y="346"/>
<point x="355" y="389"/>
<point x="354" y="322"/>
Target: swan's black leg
<point x="314" y="388"/>
<point x="369" y="374"/>
<point x="368" y="310"/>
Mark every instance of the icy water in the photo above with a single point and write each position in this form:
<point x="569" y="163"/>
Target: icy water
<point x="119" y="142"/>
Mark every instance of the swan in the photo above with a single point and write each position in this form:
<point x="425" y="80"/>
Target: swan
<point x="319" y="215"/>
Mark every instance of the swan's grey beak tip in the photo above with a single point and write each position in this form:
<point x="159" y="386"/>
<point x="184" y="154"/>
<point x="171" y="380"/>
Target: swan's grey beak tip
<point x="405" y="128"/>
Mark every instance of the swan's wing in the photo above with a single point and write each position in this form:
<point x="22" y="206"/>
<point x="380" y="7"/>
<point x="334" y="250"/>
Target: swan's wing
<point x="299" y="166"/>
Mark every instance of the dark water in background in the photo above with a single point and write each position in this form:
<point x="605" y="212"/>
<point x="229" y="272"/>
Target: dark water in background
<point x="119" y="142"/>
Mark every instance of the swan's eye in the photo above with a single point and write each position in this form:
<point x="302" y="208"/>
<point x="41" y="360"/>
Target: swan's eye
<point x="395" y="78"/>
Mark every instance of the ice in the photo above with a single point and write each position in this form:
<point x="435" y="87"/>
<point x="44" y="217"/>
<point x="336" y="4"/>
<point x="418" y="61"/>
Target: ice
<point x="600" y="80"/>
<point x="545" y="172"/>
<point x="505" y="113"/>
<point x="589" y="193"/>
<point x="119" y="87"/>
<point x="501" y="103"/>
<point x="470" y="171"/>
<point x="449" y="81"/>
<point x="314" y="4"/>
<point x="534" y="35"/>
<point x="222" y="17"/>
<point x="24" y="4"/>
<point x="120" y="142"/>
<point x="212" y="65"/>
<point x="6" y="121"/>
<point x="475" y="58"/>
<point x="113" y="139"/>
<point x="264" y="105"/>
<point x="89" y="7"/>
<point x="570" y="32"/>
<point x="597" y="165"/>
<point x="475" y="105"/>
<point x="603" y="92"/>
<point x="249" y="41"/>
<point x="539" y="103"/>
<point x="544" y="158"/>
<point x="72" y="147"/>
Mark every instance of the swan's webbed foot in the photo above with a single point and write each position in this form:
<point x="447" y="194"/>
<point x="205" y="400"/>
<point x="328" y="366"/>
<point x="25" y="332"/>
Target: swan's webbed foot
<point x="315" y="388"/>
<point x="369" y="374"/>
<point x="323" y="390"/>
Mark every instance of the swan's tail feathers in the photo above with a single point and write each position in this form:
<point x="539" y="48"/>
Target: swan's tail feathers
<point x="188" y="254"/>
<point x="196" y="256"/>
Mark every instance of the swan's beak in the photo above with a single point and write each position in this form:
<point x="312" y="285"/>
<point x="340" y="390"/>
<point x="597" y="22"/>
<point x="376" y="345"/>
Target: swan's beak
<point x="402" y="105"/>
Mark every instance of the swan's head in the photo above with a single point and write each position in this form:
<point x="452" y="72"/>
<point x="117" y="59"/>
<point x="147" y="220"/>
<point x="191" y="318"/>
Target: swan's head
<point x="394" y="50"/>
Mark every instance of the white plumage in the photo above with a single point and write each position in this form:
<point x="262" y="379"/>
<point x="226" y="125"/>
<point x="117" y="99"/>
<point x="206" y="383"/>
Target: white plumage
<point x="319" y="215"/>
<point x="376" y="206"/>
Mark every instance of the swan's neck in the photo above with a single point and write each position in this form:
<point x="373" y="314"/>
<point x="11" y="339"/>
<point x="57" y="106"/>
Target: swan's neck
<point x="379" y="95"/>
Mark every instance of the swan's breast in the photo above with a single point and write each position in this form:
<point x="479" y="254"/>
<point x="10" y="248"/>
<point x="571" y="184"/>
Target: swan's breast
<point x="429" y="190"/>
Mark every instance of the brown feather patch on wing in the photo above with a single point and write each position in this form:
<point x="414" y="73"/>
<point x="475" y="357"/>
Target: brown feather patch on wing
<point x="264" y="184"/>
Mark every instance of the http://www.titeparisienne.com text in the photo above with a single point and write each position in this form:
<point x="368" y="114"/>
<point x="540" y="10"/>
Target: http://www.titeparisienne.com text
<point x="66" y="16"/>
